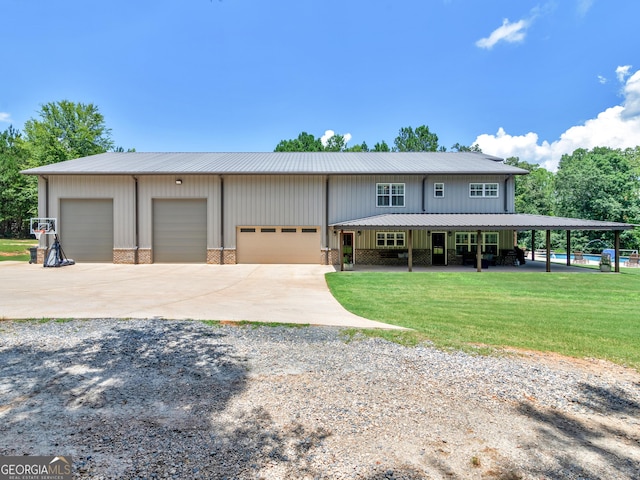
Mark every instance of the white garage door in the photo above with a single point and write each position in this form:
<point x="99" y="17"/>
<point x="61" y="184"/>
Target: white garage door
<point x="86" y="229"/>
<point x="278" y="245"/>
<point x="180" y="230"/>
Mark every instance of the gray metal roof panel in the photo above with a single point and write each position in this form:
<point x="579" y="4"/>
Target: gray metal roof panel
<point x="339" y="163"/>
<point x="464" y="221"/>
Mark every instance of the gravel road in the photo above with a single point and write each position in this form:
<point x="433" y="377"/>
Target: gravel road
<point x="186" y="400"/>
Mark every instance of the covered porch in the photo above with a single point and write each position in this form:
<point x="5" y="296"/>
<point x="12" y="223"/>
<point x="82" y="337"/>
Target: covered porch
<point x="480" y="223"/>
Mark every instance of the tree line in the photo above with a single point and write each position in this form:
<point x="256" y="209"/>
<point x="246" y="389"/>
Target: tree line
<point x="62" y="131"/>
<point x="420" y="139"/>
<point x="598" y="184"/>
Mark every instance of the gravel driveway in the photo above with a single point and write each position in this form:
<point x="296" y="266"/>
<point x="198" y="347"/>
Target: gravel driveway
<point x="184" y="399"/>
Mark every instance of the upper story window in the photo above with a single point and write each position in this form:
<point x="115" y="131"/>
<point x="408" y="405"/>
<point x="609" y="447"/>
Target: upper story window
<point x="390" y="194"/>
<point x="485" y="190"/>
<point x="438" y="190"/>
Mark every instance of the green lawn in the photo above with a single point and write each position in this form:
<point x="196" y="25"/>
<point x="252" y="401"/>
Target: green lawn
<point x="580" y="315"/>
<point x="18" y="250"/>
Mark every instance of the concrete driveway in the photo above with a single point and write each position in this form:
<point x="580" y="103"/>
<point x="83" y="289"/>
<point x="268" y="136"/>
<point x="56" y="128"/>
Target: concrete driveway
<point x="261" y="293"/>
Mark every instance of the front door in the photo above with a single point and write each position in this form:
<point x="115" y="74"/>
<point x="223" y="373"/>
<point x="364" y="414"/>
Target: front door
<point x="347" y="248"/>
<point x="438" y="248"/>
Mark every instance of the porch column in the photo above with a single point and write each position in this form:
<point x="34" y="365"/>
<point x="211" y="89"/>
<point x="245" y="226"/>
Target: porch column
<point x="340" y="251"/>
<point x="479" y="251"/>
<point x="568" y="248"/>
<point x="548" y="250"/>
<point x="617" y="247"/>
<point x="533" y="245"/>
<point x="410" y="245"/>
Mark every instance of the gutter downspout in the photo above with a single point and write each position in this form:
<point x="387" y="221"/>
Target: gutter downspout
<point x="506" y="197"/>
<point x="424" y="195"/>
<point x="326" y="220"/>
<point x="137" y="221"/>
<point x="221" y="220"/>
<point x="46" y="206"/>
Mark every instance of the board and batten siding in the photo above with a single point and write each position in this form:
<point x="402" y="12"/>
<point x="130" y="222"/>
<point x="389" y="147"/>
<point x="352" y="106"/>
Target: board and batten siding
<point x="152" y="187"/>
<point x="456" y="195"/>
<point x="272" y="200"/>
<point x="355" y="196"/>
<point x="119" y="188"/>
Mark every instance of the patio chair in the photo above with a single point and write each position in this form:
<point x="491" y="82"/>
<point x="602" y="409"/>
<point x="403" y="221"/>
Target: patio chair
<point x="632" y="261"/>
<point x="578" y="257"/>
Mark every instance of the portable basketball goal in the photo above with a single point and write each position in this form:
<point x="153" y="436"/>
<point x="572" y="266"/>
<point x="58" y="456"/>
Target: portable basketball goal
<point x="54" y="256"/>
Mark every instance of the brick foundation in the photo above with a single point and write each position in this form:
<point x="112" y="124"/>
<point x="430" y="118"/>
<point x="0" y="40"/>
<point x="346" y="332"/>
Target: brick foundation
<point x="229" y="257"/>
<point x="144" y="255"/>
<point x="124" y="256"/>
<point x="214" y="256"/>
<point x="387" y="257"/>
<point x="40" y="255"/>
<point x="453" y="258"/>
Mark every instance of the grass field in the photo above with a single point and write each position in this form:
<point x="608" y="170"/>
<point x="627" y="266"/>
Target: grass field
<point x="572" y="314"/>
<point x="17" y="250"/>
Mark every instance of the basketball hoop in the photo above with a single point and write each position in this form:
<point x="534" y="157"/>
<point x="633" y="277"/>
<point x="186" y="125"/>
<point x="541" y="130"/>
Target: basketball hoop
<point x="37" y="233"/>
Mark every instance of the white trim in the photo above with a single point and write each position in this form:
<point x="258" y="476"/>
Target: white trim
<point x="390" y="194"/>
<point x="436" y="190"/>
<point x="485" y="190"/>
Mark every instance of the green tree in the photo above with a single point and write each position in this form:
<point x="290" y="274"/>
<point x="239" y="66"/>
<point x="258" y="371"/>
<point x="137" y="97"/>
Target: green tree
<point x="304" y="143"/>
<point x="18" y="193"/>
<point x="66" y="130"/>
<point x="601" y="184"/>
<point x="418" y="140"/>
<point x="534" y="193"/>
<point x="363" y="147"/>
<point x="335" y="143"/>
<point x="381" y="147"/>
<point x="463" y="148"/>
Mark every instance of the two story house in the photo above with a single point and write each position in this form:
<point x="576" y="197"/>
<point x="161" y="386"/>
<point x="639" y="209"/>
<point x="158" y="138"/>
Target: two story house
<point x="423" y="208"/>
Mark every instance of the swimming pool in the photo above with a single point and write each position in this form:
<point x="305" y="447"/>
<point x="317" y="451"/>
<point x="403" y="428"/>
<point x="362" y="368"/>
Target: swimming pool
<point x="591" y="257"/>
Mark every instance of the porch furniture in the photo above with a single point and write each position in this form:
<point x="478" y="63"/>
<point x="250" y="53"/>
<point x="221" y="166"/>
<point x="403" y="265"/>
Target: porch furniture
<point x="633" y="261"/>
<point x="393" y="253"/>
<point x="578" y="257"/>
<point x="507" y="257"/>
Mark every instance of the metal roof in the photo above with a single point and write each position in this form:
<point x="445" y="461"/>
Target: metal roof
<point x="473" y="221"/>
<point x="339" y="163"/>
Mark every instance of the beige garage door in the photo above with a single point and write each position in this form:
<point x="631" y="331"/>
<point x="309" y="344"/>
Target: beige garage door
<point x="278" y="245"/>
<point x="180" y="230"/>
<point x="86" y="229"/>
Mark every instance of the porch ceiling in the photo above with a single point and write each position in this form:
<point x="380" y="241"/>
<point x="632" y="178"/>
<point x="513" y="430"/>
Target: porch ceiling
<point x="477" y="221"/>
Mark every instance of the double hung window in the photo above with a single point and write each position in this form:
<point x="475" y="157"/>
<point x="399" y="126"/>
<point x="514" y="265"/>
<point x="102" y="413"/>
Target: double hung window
<point x="466" y="242"/>
<point x="390" y="239"/>
<point x="390" y="194"/>
<point x="483" y="190"/>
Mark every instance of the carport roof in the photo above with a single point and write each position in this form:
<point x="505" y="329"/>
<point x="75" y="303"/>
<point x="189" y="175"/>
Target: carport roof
<point x="476" y="221"/>
<point x="273" y="163"/>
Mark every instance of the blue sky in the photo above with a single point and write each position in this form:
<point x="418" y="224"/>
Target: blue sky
<point x="526" y="78"/>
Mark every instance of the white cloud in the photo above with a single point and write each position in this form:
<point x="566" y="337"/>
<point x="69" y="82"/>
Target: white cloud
<point x="584" y="6"/>
<point x="602" y="79"/>
<point x="330" y="133"/>
<point x="507" y="32"/>
<point x="616" y="127"/>
<point x="5" y="117"/>
<point x="623" y="72"/>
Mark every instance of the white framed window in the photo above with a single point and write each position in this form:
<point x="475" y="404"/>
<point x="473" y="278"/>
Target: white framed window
<point x="390" y="194"/>
<point x="483" y="190"/>
<point x="438" y="190"/>
<point x="466" y="242"/>
<point x="390" y="239"/>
